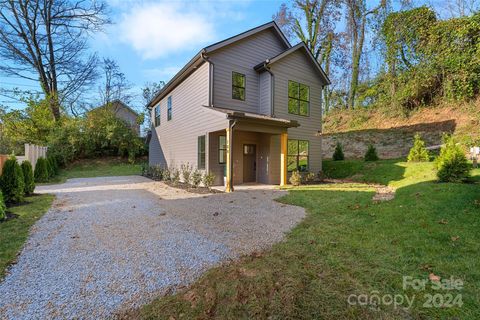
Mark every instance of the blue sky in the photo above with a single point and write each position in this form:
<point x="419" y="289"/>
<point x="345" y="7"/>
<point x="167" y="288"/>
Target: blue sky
<point x="152" y="39"/>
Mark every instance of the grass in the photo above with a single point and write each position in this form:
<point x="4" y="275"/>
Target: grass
<point x="14" y="232"/>
<point x="103" y="167"/>
<point x="350" y="245"/>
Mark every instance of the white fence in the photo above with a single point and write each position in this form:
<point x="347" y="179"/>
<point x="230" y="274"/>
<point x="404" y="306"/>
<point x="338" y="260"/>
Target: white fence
<point x="32" y="153"/>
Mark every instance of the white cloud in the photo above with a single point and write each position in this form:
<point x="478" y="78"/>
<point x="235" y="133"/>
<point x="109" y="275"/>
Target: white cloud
<point x="157" y="30"/>
<point x="161" y="73"/>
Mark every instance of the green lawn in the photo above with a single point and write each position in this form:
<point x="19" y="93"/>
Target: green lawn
<point x="14" y="232"/>
<point x="103" y="167"/>
<point x="349" y="245"/>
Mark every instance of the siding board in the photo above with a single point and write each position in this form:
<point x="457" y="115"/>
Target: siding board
<point x="176" y="141"/>
<point x="298" y="68"/>
<point x="241" y="57"/>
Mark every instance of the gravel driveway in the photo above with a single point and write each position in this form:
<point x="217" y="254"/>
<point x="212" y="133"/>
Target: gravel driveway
<point x="114" y="243"/>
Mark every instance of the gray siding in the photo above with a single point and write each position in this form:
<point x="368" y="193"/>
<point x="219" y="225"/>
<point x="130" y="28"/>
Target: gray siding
<point x="298" y="68"/>
<point x="241" y="57"/>
<point x="128" y="116"/>
<point x="265" y="92"/>
<point x="177" y="138"/>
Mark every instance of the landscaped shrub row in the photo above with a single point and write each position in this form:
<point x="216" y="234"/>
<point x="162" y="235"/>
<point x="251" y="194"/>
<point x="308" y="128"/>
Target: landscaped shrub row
<point x="370" y="155"/>
<point x="452" y="164"/>
<point x="18" y="181"/>
<point x="186" y="173"/>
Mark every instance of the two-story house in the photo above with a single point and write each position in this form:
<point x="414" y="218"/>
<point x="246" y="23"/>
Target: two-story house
<point x="247" y="109"/>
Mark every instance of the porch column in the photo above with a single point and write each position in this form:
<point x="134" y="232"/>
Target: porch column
<point x="229" y="180"/>
<point x="283" y="159"/>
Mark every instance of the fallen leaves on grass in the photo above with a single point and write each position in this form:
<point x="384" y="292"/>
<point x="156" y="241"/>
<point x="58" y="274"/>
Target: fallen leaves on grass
<point x="433" y="277"/>
<point x="443" y="221"/>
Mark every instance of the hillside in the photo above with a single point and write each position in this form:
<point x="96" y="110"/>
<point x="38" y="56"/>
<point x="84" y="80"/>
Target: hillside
<point x="393" y="134"/>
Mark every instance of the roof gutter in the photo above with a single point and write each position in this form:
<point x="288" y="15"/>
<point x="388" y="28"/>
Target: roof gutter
<point x="172" y="83"/>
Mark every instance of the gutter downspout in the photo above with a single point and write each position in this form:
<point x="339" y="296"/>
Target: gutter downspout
<point x="272" y="88"/>
<point x="211" y="67"/>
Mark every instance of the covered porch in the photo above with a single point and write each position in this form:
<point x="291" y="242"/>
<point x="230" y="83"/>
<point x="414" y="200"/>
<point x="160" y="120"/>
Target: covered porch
<point x="252" y="150"/>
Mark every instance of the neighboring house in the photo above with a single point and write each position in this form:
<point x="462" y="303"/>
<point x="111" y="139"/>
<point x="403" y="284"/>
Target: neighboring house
<point x="123" y="112"/>
<point x="247" y="108"/>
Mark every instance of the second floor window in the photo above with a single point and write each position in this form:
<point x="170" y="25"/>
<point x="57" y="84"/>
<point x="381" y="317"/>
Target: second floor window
<point x="298" y="98"/>
<point x="238" y="86"/>
<point x="157" y="116"/>
<point x="169" y="108"/>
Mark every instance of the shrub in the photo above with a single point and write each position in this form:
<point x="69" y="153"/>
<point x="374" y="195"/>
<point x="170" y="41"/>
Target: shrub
<point x="3" y="209"/>
<point x="186" y="172"/>
<point x="338" y="153"/>
<point x="28" y="177"/>
<point x="452" y="164"/>
<point x="371" y="154"/>
<point x="196" y="178"/>
<point x="296" y="178"/>
<point x="53" y="164"/>
<point x="50" y="169"/>
<point x="175" y="176"/>
<point x="41" y="170"/>
<point x="166" y="174"/>
<point x="208" y="179"/>
<point x="418" y="153"/>
<point x="12" y="182"/>
<point x="310" y="177"/>
<point x="156" y="172"/>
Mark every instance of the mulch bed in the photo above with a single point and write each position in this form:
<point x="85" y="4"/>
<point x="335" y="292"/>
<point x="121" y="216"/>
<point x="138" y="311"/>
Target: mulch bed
<point x="186" y="187"/>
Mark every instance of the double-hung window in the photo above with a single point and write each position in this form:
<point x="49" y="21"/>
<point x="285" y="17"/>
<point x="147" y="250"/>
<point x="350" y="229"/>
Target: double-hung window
<point x="238" y="86"/>
<point x="222" y="149"/>
<point x="157" y="115"/>
<point x="201" y="153"/>
<point x="298" y="98"/>
<point x="297" y="155"/>
<point x="169" y="108"/>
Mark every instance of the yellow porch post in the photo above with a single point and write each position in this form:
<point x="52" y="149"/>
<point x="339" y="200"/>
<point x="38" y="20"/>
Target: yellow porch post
<point x="283" y="159"/>
<point x="228" y="186"/>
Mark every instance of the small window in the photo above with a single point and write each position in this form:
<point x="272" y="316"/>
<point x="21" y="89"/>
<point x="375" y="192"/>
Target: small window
<point x="238" y="86"/>
<point x="169" y="108"/>
<point x="222" y="149"/>
<point x="157" y="115"/>
<point x="297" y="155"/>
<point x="298" y="98"/>
<point x="201" y="153"/>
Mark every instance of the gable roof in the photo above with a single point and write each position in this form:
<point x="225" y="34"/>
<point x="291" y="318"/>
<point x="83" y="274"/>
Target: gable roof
<point x="117" y="102"/>
<point x="301" y="46"/>
<point x="243" y="35"/>
<point x="199" y="58"/>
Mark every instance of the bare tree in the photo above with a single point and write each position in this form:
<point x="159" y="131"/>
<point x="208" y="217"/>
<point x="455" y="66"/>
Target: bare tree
<point x="461" y="8"/>
<point x="149" y="91"/>
<point x="313" y="22"/>
<point x="46" y="41"/>
<point x="357" y="19"/>
<point x="116" y="86"/>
